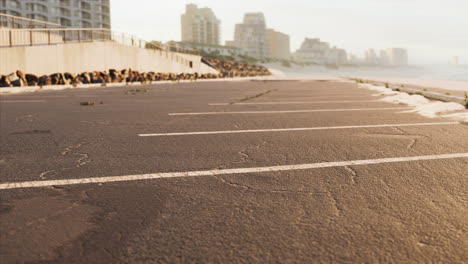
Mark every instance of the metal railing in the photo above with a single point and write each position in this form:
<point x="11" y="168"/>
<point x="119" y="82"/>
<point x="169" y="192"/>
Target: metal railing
<point x="9" y="21"/>
<point x="35" y="33"/>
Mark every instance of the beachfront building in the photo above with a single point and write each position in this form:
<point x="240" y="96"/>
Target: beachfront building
<point x="387" y="57"/>
<point x="279" y="44"/>
<point x="212" y="49"/>
<point x="370" y="57"/>
<point x="68" y="13"/>
<point x="353" y="59"/>
<point x="316" y="51"/>
<point x="251" y="36"/>
<point x="397" y="56"/>
<point x="200" y="25"/>
<point x="384" y="59"/>
<point x="313" y="50"/>
<point x="230" y="43"/>
<point x="338" y="56"/>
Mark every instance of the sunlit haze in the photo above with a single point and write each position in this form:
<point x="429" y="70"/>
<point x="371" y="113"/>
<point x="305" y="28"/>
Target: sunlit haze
<point x="433" y="31"/>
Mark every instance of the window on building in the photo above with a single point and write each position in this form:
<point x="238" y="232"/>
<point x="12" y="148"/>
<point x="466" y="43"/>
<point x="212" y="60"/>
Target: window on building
<point x="85" y="24"/>
<point x="85" y="15"/>
<point x="85" y="6"/>
<point x="64" y="12"/>
<point x="64" y="2"/>
<point x="13" y="4"/>
<point x="65" y="22"/>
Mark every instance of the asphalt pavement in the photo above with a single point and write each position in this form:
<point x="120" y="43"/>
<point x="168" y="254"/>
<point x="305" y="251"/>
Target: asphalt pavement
<point x="229" y="172"/>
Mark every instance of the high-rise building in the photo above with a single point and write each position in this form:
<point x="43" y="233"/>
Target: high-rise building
<point x="397" y="56"/>
<point x="200" y="25"/>
<point x="316" y="51"/>
<point x="68" y="13"/>
<point x="340" y="56"/>
<point x="251" y="36"/>
<point x="353" y="59"/>
<point x="313" y="50"/>
<point x="278" y="44"/>
<point x="384" y="59"/>
<point x="370" y="57"/>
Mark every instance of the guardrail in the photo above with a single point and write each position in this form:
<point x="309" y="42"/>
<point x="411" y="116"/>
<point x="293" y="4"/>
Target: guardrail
<point x="9" y="21"/>
<point x="10" y="37"/>
<point x="18" y="31"/>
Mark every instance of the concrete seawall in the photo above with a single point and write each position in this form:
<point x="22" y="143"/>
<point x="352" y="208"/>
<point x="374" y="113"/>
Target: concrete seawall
<point x="96" y="56"/>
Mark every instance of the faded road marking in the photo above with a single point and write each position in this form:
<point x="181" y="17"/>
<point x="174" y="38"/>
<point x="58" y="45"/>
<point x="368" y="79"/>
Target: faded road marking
<point x="292" y="129"/>
<point x="290" y="111"/>
<point x="23" y="101"/>
<point x="286" y="103"/>
<point x="152" y="176"/>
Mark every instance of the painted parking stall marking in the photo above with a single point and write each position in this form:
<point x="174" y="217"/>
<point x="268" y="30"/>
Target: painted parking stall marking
<point x="299" y="102"/>
<point x="22" y="101"/>
<point x="153" y="176"/>
<point x="293" y="129"/>
<point x="290" y="111"/>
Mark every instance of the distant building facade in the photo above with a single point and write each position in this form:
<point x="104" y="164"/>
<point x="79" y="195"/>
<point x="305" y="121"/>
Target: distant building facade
<point x="230" y="43"/>
<point x="200" y="25"/>
<point x="370" y="57"/>
<point x="316" y="51"/>
<point x="313" y="50"/>
<point x="68" y="13"/>
<point x="212" y="49"/>
<point x="353" y="59"/>
<point x="386" y="57"/>
<point x="339" y="56"/>
<point x="397" y="56"/>
<point x="278" y="44"/>
<point x="251" y="36"/>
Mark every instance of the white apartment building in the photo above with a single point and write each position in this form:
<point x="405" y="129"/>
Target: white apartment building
<point x="200" y="25"/>
<point x="370" y="57"/>
<point x="68" y="13"/>
<point x="397" y="56"/>
<point x="315" y="51"/>
<point x="251" y="36"/>
<point x="211" y="49"/>
<point x="387" y="57"/>
<point x="312" y="50"/>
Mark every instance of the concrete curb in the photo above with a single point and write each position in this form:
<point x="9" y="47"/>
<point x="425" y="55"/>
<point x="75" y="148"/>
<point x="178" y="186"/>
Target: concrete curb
<point x="427" y="94"/>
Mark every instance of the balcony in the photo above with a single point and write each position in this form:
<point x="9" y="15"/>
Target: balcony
<point x="13" y="4"/>
<point x="85" y="6"/>
<point x="65" y="3"/>
<point x="85" y="15"/>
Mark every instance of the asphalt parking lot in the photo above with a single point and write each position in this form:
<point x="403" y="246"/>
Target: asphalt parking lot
<point x="229" y="172"/>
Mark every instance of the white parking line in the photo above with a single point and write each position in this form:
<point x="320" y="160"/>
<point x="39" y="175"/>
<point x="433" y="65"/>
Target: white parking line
<point x="290" y="111"/>
<point x="286" y="103"/>
<point x="292" y="129"/>
<point x="152" y="176"/>
<point x="23" y="101"/>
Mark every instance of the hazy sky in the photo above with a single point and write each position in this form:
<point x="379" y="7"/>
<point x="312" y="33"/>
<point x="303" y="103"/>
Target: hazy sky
<point x="432" y="30"/>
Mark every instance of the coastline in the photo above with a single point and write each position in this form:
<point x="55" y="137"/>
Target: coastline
<point x="396" y="78"/>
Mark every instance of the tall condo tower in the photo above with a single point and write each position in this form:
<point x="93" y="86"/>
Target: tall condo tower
<point x="200" y="25"/>
<point x="68" y="13"/>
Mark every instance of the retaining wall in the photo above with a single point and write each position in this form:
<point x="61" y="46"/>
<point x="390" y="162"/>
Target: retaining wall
<point x="96" y="56"/>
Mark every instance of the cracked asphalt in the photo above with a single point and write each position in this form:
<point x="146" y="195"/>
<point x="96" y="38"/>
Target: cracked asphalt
<point x="405" y="212"/>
